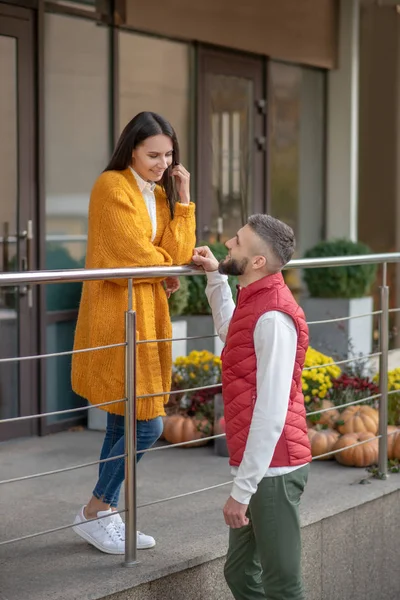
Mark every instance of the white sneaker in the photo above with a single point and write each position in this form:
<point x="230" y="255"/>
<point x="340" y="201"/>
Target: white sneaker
<point x="143" y="541"/>
<point x="103" y="534"/>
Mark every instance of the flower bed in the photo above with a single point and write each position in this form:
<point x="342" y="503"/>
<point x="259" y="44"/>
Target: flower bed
<point x="190" y="415"/>
<point x="198" y="369"/>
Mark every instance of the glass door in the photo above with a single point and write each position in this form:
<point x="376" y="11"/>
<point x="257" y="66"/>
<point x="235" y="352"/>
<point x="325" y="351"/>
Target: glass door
<point x="17" y="390"/>
<point x="231" y="159"/>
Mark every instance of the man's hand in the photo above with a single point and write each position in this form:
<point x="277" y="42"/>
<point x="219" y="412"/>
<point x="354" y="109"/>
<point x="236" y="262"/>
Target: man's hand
<point x="203" y="257"/>
<point x="171" y="284"/>
<point x="235" y="514"/>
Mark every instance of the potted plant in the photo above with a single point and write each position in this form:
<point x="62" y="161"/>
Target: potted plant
<point x="220" y="445"/>
<point x="393" y="398"/>
<point x="191" y="313"/>
<point x="316" y="384"/>
<point x="190" y="415"/>
<point x="340" y="292"/>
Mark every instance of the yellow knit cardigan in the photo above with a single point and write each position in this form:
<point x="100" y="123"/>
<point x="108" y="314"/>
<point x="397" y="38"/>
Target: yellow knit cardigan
<point x="119" y="235"/>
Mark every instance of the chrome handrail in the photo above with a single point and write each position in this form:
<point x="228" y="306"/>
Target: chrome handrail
<point x="68" y="275"/>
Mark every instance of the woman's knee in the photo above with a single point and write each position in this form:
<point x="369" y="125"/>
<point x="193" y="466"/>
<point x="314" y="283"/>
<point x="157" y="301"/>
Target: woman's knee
<point x="154" y="429"/>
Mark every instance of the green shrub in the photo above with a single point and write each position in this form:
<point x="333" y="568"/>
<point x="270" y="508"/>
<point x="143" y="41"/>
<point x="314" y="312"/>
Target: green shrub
<point x="339" y="282"/>
<point x="198" y="303"/>
<point x="179" y="300"/>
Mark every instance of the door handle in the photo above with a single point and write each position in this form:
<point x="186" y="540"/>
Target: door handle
<point x="26" y="290"/>
<point x="6" y="233"/>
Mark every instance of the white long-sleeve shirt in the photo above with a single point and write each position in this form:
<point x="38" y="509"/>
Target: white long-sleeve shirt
<point x="147" y="190"/>
<point x="275" y="343"/>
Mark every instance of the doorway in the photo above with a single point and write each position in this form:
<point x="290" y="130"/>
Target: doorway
<point x="18" y="393"/>
<point x="232" y="142"/>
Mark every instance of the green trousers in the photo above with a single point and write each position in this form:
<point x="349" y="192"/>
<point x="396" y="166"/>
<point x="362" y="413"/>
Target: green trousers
<point x="264" y="558"/>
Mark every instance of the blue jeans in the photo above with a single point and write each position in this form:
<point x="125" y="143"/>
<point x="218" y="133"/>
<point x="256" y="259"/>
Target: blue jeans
<point x="112" y="473"/>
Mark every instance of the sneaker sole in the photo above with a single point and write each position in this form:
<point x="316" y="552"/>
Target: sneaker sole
<point x="146" y="547"/>
<point x="88" y="538"/>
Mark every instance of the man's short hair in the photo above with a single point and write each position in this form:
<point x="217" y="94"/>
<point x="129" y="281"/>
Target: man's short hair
<point x="277" y="235"/>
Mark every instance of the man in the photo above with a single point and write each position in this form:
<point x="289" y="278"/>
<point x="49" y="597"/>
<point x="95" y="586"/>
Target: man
<point x="266" y="338"/>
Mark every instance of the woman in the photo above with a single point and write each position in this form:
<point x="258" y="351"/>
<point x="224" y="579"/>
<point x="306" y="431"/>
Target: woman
<point x="140" y="215"/>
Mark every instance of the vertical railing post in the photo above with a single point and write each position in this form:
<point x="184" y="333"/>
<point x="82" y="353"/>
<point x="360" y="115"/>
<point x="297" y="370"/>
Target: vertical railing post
<point x="130" y="433"/>
<point x="383" y="376"/>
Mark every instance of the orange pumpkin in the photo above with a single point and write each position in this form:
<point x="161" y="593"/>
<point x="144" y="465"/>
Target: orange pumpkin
<point x="358" y="419"/>
<point x="326" y="418"/>
<point x="364" y="455"/>
<point x="179" y="428"/>
<point x="393" y="443"/>
<point x="322" y="441"/>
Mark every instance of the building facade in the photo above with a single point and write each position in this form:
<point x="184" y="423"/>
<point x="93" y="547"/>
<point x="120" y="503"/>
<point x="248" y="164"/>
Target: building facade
<point x="264" y="97"/>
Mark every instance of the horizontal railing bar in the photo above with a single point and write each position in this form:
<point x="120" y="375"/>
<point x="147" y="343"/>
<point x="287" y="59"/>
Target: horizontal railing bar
<point x="13" y="239"/>
<point x="205" y="439"/>
<point x="211" y="487"/>
<point x="393" y="310"/>
<point x="183" y="339"/>
<point x="230" y="482"/>
<point x="68" y="275"/>
<point x="317" y="412"/>
<point x="342" y="362"/>
<point x="60" y="412"/>
<point x="338" y="319"/>
<point x="174" y="392"/>
<point x="36" y="475"/>
<point x="55" y="354"/>
<point x="66" y="238"/>
<point x="55" y="529"/>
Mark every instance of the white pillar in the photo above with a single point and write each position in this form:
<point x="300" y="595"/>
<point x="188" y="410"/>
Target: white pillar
<point x="342" y="134"/>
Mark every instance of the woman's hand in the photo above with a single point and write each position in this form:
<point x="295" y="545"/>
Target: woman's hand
<point x="182" y="181"/>
<point x="172" y="285"/>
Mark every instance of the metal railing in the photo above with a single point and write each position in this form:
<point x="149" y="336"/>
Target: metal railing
<point x="131" y="506"/>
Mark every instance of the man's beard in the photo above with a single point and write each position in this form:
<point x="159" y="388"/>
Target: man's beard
<point x="230" y="266"/>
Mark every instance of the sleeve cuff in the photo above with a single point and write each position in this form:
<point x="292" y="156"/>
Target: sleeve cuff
<point x="240" y="495"/>
<point x="185" y="210"/>
<point x="216" y="277"/>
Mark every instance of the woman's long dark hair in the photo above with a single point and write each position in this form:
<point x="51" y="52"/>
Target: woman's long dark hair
<point x="141" y="127"/>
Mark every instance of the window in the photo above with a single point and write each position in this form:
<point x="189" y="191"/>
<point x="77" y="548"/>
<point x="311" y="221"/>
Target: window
<point x="77" y="134"/>
<point x="76" y="141"/>
<point x="296" y="150"/>
<point x="154" y="76"/>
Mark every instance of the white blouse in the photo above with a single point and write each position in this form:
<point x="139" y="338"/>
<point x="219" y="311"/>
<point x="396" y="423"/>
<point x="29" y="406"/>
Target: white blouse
<point x="147" y="190"/>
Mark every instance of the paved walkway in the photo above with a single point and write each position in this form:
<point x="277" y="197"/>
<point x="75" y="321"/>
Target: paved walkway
<point x="189" y="531"/>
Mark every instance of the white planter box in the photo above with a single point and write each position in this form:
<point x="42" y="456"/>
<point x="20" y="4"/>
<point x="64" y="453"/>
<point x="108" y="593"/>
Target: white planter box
<point x="334" y="338"/>
<point x="97" y="419"/>
<point x="196" y="325"/>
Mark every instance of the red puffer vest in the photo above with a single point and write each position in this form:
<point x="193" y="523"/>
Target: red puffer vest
<point x="239" y="367"/>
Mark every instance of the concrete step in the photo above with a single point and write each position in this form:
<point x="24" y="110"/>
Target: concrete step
<point x="351" y="532"/>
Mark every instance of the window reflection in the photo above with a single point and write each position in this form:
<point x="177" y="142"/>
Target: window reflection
<point x="9" y="316"/>
<point x="77" y="141"/>
<point x="154" y="76"/>
<point x="296" y="164"/>
<point x="231" y="116"/>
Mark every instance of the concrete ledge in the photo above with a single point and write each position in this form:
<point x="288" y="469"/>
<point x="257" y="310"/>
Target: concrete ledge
<point x="351" y="532"/>
<point x="349" y="556"/>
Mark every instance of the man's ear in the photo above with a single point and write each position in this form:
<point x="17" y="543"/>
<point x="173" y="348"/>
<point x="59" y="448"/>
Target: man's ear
<point x="259" y="262"/>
